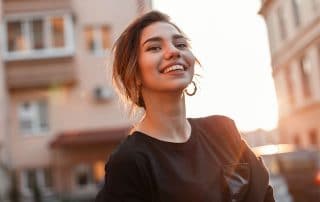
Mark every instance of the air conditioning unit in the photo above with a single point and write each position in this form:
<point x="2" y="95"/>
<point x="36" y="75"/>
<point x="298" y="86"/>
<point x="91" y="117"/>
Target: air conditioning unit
<point x="103" y="93"/>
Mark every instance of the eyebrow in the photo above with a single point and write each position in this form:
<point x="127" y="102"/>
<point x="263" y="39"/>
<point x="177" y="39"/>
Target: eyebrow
<point x="156" y="38"/>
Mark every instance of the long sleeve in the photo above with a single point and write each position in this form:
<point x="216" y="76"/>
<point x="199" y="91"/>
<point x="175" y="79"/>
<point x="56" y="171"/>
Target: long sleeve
<point x="269" y="195"/>
<point x="124" y="180"/>
<point x="232" y="150"/>
<point x="259" y="171"/>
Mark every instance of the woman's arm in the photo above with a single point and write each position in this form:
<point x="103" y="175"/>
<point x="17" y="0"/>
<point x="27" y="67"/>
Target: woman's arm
<point x="259" y="170"/>
<point x="124" y="180"/>
<point x="269" y="195"/>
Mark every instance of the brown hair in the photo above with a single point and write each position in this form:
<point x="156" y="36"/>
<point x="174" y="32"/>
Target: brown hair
<point x="126" y="52"/>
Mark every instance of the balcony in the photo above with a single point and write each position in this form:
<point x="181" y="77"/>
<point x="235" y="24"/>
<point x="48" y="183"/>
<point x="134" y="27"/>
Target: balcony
<point x="37" y="35"/>
<point x="40" y="73"/>
<point x="26" y="6"/>
<point x="38" y="47"/>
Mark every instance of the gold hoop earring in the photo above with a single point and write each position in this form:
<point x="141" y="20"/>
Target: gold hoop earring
<point x="194" y="89"/>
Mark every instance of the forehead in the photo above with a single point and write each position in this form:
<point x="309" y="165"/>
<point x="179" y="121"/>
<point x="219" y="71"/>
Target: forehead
<point x="158" y="29"/>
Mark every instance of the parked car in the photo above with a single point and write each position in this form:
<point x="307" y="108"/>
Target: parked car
<point x="300" y="169"/>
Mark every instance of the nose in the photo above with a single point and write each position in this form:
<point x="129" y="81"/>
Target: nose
<point x="171" y="52"/>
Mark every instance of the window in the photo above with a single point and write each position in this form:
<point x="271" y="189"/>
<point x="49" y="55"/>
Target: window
<point x="16" y="39"/>
<point x="290" y="90"/>
<point x="31" y="179"/>
<point x="98" y="39"/>
<point x="83" y="176"/>
<point x="47" y="178"/>
<point x="296" y="4"/>
<point x="90" y="42"/>
<point x="296" y="140"/>
<point x="33" y="117"/>
<point x="57" y="24"/>
<point x="98" y="171"/>
<point x="313" y="137"/>
<point x="306" y="74"/>
<point x="281" y="90"/>
<point x="315" y="5"/>
<point x="106" y="41"/>
<point x="282" y="24"/>
<point x="38" y="37"/>
<point x="40" y="178"/>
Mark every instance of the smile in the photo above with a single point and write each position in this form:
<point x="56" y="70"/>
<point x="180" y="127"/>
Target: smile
<point x="173" y="68"/>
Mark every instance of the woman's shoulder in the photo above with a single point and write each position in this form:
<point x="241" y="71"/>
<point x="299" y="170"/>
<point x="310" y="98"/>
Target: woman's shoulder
<point x="130" y="149"/>
<point x="213" y="119"/>
<point x="219" y="129"/>
<point x="216" y="124"/>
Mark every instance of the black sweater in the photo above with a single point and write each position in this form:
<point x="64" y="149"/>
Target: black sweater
<point x="213" y="165"/>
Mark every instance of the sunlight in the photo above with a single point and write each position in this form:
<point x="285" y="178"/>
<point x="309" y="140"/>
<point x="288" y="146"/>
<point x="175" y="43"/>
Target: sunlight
<point x="233" y="50"/>
<point x="273" y="149"/>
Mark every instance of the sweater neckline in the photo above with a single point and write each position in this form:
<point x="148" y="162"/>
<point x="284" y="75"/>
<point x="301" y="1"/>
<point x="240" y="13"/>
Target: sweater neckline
<point x="175" y="145"/>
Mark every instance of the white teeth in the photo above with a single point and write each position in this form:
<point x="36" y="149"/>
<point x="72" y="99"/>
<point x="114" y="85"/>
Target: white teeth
<point x="173" y="68"/>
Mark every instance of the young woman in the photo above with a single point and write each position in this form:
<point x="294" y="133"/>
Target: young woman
<point x="168" y="157"/>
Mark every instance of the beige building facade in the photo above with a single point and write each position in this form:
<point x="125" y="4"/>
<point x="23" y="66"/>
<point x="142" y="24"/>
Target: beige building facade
<point x="4" y="177"/>
<point x="64" y="116"/>
<point x="294" y="36"/>
<point x="260" y="137"/>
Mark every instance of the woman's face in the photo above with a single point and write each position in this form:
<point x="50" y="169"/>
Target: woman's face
<point x="166" y="63"/>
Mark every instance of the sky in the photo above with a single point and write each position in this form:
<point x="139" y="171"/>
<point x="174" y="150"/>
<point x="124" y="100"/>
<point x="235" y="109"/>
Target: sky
<point x="230" y="40"/>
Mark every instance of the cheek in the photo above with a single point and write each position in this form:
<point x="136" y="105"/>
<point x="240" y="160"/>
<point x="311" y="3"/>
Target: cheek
<point x="149" y="62"/>
<point x="146" y="69"/>
<point x="191" y="59"/>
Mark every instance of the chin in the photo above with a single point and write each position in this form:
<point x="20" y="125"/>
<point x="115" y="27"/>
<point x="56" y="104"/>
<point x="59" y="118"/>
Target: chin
<point x="181" y="87"/>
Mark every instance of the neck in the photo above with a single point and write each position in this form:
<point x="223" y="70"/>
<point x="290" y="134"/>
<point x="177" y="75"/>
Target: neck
<point x="165" y="117"/>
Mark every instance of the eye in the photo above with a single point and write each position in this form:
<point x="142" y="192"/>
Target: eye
<point x="154" y="48"/>
<point x="182" y="45"/>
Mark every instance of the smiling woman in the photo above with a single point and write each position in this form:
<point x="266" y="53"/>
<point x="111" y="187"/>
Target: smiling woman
<point x="169" y="157"/>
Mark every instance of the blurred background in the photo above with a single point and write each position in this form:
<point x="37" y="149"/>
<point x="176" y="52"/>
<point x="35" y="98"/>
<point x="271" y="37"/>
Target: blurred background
<point x="60" y="117"/>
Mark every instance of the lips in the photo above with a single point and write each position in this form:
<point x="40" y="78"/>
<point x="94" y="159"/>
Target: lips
<point x="171" y="68"/>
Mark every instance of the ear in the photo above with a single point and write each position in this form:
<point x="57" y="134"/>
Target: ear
<point x="138" y="80"/>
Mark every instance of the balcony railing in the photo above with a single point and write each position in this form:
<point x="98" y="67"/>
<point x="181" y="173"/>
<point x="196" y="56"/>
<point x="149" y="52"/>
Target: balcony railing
<point x="40" y="73"/>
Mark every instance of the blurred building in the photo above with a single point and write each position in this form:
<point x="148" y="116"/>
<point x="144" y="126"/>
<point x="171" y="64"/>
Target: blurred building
<point x="294" y="37"/>
<point x="64" y="116"/>
<point x="261" y="137"/>
<point x="4" y="179"/>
